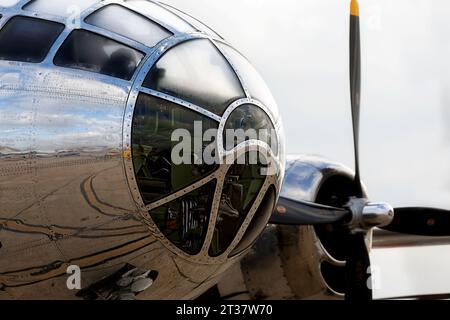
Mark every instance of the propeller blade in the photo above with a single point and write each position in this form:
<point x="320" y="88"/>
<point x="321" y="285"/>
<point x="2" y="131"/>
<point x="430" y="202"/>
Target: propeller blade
<point x="357" y="269"/>
<point x="355" y="85"/>
<point x="421" y="221"/>
<point x="292" y="212"/>
<point x="357" y="260"/>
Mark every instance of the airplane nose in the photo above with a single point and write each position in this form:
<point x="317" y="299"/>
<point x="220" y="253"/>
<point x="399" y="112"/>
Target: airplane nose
<point x="202" y="149"/>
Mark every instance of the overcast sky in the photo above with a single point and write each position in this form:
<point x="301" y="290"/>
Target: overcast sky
<point x="301" y="49"/>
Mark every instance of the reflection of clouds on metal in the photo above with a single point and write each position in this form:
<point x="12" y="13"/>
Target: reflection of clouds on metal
<point x="306" y="173"/>
<point x="59" y="101"/>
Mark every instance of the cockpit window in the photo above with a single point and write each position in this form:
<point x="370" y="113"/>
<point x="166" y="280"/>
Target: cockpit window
<point x="254" y="83"/>
<point x="88" y="51"/>
<point x="28" y="39"/>
<point x="197" y="72"/>
<point x="243" y="183"/>
<point x="63" y="8"/>
<point x="191" y="20"/>
<point x="249" y="122"/>
<point x="161" y="128"/>
<point x="185" y="220"/>
<point x="159" y="13"/>
<point x="8" y="3"/>
<point x="129" y="24"/>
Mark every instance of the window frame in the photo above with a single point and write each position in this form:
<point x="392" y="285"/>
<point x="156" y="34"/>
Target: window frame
<point x="229" y="68"/>
<point x="159" y="18"/>
<point x="90" y="25"/>
<point x="246" y="178"/>
<point x="194" y="22"/>
<point x="5" y="20"/>
<point x="134" y="135"/>
<point x="118" y="42"/>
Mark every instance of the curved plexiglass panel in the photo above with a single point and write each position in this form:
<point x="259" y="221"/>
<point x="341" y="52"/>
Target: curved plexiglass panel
<point x="200" y="26"/>
<point x="159" y="174"/>
<point x="161" y="14"/>
<point x="243" y="183"/>
<point x="64" y="8"/>
<point x="28" y="39"/>
<point x="252" y="80"/>
<point x="185" y="220"/>
<point x="197" y="72"/>
<point x="88" y="51"/>
<point x="258" y="223"/>
<point x="127" y="23"/>
<point x="249" y="122"/>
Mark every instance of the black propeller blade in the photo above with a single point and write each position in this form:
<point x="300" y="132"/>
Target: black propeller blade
<point x="421" y="221"/>
<point x="357" y="257"/>
<point x="356" y="269"/>
<point x="292" y="212"/>
<point x="355" y="86"/>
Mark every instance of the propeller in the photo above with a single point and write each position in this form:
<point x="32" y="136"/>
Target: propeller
<point x="414" y="221"/>
<point x="357" y="253"/>
<point x="356" y="267"/>
<point x="359" y="215"/>
<point x="355" y="86"/>
<point x="291" y="212"/>
<point x="421" y="222"/>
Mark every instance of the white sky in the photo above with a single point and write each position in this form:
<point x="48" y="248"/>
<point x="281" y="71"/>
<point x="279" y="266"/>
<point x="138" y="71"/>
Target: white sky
<point x="301" y="49"/>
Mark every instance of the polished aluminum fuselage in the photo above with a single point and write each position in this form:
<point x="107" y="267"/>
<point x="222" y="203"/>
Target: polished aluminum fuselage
<point x="65" y="196"/>
<point x="68" y="190"/>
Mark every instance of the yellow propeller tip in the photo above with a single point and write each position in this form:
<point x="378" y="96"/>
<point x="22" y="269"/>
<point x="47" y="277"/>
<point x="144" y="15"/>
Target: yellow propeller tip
<point x="354" y="8"/>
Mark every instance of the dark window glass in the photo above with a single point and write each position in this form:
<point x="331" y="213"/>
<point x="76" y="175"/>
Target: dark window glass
<point x="64" y="8"/>
<point x="242" y="185"/>
<point x="129" y="24"/>
<point x="154" y="122"/>
<point x="258" y="223"/>
<point x="91" y="52"/>
<point x="161" y="14"/>
<point x="185" y="220"/>
<point x="28" y="39"/>
<point x="197" y="72"/>
<point x="249" y="122"/>
<point x="253" y="81"/>
<point x="8" y="3"/>
<point x="191" y="20"/>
